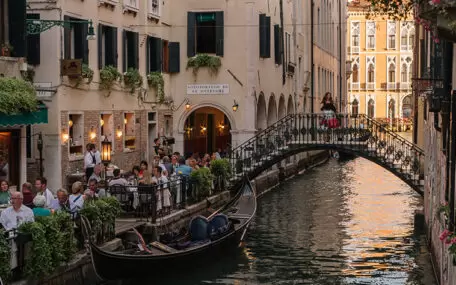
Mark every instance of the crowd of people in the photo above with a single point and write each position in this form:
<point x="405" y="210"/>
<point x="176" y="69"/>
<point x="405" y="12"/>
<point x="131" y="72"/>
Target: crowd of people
<point x="30" y="201"/>
<point x="34" y="201"/>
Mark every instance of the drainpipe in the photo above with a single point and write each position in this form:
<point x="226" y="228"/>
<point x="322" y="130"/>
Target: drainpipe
<point x="283" y="44"/>
<point x="340" y="56"/>
<point x="312" y="85"/>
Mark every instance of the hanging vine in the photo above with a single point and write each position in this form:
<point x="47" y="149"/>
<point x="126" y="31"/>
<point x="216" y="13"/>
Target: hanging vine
<point x="132" y="79"/>
<point x="155" y="80"/>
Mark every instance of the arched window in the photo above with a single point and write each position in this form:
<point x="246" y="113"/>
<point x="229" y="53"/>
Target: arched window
<point x="355" y="106"/>
<point x="370" y="74"/>
<point x="404" y="73"/>
<point x="404" y="39"/>
<point x="371" y="108"/>
<point x="355" y="77"/>
<point x="391" y="109"/>
<point x="411" y="41"/>
<point x="392" y="73"/>
<point x="407" y="107"/>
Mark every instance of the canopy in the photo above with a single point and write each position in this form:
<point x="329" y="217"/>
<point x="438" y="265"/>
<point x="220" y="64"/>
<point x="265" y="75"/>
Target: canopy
<point x="40" y="116"/>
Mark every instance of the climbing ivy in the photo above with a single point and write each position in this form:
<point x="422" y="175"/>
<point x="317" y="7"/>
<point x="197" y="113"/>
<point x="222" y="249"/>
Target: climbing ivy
<point x="132" y="79"/>
<point x="108" y="75"/>
<point x="204" y="60"/>
<point x="16" y="96"/>
<point x="394" y="9"/>
<point x="155" y="80"/>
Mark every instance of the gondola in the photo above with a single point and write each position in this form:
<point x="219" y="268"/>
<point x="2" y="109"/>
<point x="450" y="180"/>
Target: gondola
<point x="207" y="238"/>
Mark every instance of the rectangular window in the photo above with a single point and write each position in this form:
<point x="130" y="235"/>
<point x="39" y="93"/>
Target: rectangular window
<point x="76" y="45"/>
<point x="107" y="46"/>
<point x="391" y="41"/>
<point x="154" y="8"/>
<point x="33" y="44"/>
<point x="162" y="56"/>
<point x="130" y="50"/>
<point x="370" y="35"/>
<point x="265" y="36"/>
<point x="129" y="130"/>
<point x="205" y="32"/>
<point x="76" y="134"/>
<point x="355" y="41"/>
<point x="371" y="42"/>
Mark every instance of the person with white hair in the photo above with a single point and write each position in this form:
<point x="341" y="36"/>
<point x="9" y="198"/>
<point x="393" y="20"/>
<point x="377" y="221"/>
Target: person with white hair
<point x="15" y="215"/>
<point x="39" y="210"/>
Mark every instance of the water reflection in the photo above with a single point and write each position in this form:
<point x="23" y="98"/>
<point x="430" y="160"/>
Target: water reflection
<point x="343" y="223"/>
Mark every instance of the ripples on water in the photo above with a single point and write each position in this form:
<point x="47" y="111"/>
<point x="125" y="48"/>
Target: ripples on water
<point x="342" y="223"/>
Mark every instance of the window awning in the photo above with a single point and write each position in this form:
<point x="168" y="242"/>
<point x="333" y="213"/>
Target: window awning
<point x="40" y="116"/>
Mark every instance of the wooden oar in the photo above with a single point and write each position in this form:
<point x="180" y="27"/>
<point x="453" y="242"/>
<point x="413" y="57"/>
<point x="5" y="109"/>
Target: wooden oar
<point x="141" y="241"/>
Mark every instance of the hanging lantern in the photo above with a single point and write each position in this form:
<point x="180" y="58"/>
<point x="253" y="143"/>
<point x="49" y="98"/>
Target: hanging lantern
<point x="106" y="148"/>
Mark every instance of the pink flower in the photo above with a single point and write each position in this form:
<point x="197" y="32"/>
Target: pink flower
<point x="446" y="233"/>
<point x="436" y="40"/>
<point x="453" y="240"/>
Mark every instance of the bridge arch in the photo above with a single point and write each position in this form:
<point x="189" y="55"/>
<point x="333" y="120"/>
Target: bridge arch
<point x="272" y="110"/>
<point x="261" y="114"/>
<point x="282" y="108"/>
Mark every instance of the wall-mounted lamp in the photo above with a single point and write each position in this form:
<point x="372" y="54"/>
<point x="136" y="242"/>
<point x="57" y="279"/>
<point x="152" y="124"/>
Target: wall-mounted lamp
<point x="101" y="122"/>
<point x="187" y="105"/>
<point x="235" y="106"/>
<point x="221" y="127"/>
<point x="125" y="121"/>
<point x="203" y="129"/>
<point x="119" y="132"/>
<point x="186" y="101"/>
<point x="65" y="136"/>
<point x="92" y="133"/>
<point x="70" y="123"/>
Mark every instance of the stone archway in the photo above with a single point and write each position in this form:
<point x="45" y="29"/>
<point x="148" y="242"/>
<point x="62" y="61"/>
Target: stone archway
<point x="261" y="118"/>
<point x="407" y="107"/>
<point x="206" y="130"/>
<point x="272" y="110"/>
<point x="290" y="107"/>
<point x="282" y="109"/>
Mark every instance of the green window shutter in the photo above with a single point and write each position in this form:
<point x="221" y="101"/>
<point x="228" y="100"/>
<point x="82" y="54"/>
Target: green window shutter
<point x="33" y="45"/>
<point x="147" y="55"/>
<point x="219" y="33"/>
<point x="100" y="46"/>
<point x="85" y="43"/>
<point x="136" y="50"/>
<point x="124" y="51"/>
<point x="114" y="44"/>
<point x="17" y="29"/>
<point x="277" y="51"/>
<point x="262" y="25"/>
<point x="155" y="54"/>
<point x="174" y="57"/>
<point x="67" y="38"/>
<point x="191" y="20"/>
<point x="268" y="37"/>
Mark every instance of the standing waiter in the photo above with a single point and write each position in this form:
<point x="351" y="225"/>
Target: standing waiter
<point x="91" y="158"/>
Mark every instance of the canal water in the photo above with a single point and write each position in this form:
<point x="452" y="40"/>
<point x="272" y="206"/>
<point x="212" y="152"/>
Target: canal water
<point x="341" y="223"/>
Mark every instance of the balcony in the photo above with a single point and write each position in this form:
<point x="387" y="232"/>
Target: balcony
<point x="154" y="9"/>
<point x="391" y="85"/>
<point x="355" y="86"/>
<point x="405" y="86"/>
<point x="131" y="6"/>
<point x="370" y="86"/>
<point x="12" y="66"/>
<point x="108" y="3"/>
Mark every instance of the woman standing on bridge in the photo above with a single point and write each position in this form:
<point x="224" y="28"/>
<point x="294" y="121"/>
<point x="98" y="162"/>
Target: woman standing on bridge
<point x="329" y="113"/>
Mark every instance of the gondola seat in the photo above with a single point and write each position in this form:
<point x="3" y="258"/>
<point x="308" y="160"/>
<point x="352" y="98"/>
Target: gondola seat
<point x="198" y="229"/>
<point x="218" y="226"/>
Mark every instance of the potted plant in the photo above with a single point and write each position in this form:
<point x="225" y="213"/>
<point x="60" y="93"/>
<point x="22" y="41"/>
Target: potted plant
<point x="132" y="79"/>
<point x="7" y="49"/>
<point x="202" y="179"/>
<point x="221" y="169"/>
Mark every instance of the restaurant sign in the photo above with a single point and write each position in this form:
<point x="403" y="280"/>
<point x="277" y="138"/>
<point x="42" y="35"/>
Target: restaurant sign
<point x="208" y="89"/>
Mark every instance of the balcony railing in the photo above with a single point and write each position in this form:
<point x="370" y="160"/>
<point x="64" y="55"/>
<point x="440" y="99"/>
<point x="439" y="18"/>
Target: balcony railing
<point x="370" y="86"/>
<point x="355" y="86"/>
<point x="391" y="85"/>
<point x="405" y="86"/>
<point x="355" y="49"/>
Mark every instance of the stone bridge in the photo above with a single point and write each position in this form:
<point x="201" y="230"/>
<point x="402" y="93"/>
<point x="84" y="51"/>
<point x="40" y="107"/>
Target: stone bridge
<point x="355" y="134"/>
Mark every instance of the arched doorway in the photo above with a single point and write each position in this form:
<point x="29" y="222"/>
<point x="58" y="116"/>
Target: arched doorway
<point x="290" y="108"/>
<point x="206" y="130"/>
<point x="407" y="107"/>
<point x="282" y="109"/>
<point x="355" y="107"/>
<point x="272" y="110"/>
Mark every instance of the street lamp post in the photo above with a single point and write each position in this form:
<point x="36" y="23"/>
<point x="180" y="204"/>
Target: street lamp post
<point x="106" y="148"/>
<point x="36" y="27"/>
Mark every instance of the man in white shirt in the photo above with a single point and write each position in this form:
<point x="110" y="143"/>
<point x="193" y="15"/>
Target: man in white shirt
<point x="17" y="214"/>
<point x="91" y="159"/>
<point x="41" y="188"/>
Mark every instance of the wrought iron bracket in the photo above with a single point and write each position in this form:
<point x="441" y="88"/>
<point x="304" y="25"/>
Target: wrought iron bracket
<point x="36" y="27"/>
